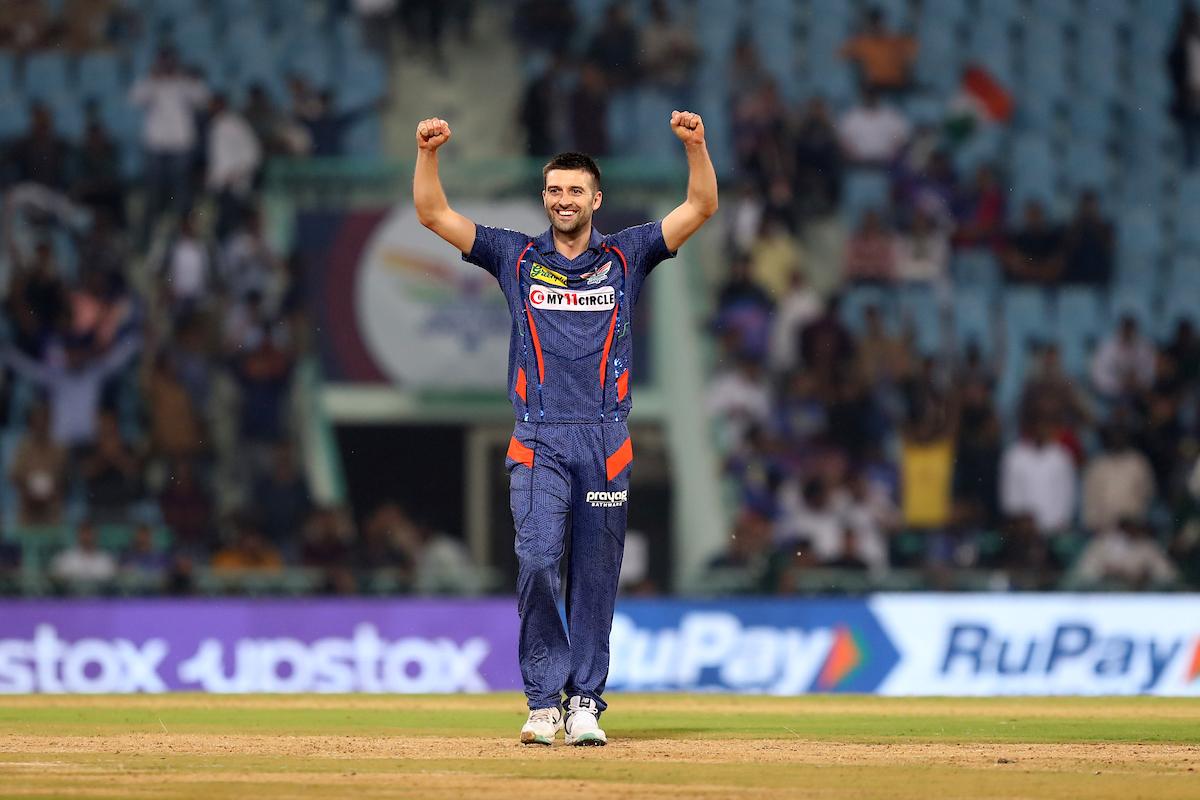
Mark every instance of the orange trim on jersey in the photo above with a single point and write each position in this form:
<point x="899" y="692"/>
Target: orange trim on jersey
<point x="622" y="385"/>
<point x="620" y="459"/>
<point x="518" y="264"/>
<point x="612" y="326"/>
<point x="520" y="453"/>
<point x="521" y="383"/>
<point x="624" y="265"/>
<point x="537" y="346"/>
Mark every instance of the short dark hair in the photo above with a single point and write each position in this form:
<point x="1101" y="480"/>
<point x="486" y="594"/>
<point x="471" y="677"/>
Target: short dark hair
<point x="573" y="161"/>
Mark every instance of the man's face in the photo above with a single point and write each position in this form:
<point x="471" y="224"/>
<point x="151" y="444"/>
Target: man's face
<point x="570" y="198"/>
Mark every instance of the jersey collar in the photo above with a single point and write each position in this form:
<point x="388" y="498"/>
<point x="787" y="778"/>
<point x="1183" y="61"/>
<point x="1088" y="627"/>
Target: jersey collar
<point x="544" y="244"/>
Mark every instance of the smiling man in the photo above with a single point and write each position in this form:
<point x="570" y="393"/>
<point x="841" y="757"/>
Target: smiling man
<point x="571" y="292"/>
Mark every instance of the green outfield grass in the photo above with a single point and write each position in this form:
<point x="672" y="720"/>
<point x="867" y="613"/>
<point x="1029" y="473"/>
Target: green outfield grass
<point x="712" y="746"/>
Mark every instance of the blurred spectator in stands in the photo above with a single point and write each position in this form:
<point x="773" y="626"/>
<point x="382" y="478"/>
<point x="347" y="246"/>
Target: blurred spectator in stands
<point x="758" y="467"/>
<point x="763" y="147"/>
<point x="748" y="551"/>
<point x="869" y="512"/>
<point x="1051" y="392"/>
<point x="112" y="472"/>
<point x="816" y="518"/>
<point x="1025" y="554"/>
<point x="37" y="297"/>
<point x="249" y="550"/>
<point x="977" y="456"/>
<point x="545" y="23"/>
<point x="1185" y="545"/>
<point x="1184" y="350"/>
<point x="281" y="498"/>
<point x="87" y="23"/>
<point x="817" y="160"/>
<point x="884" y="58"/>
<point x="40" y="155"/>
<point x="1123" y="365"/>
<point x="923" y="253"/>
<point x="982" y="211"/>
<point x="444" y="564"/>
<point x="1162" y="435"/>
<point x="883" y="358"/>
<point x="746" y="72"/>
<point x="744" y="311"/>
<point x="39" y="472"/>
<point x="872" y="133"/>
<point x="424" y="22"/>
<point x="826" y="343"/>
<point x="589" y="111"/>
<point x="187" y="508"/>
<point x="871" y="251"/>
<point x="746" y="218"/>
<point x="1034" y="253"/>
<point x="263" y="372"/>
<point x="188" y="268"/>
<point x="249" y="264"/>
<point x="98" y="182"/>
<point x="192" y="359"/>
<point x="1183" y="68"/>
<point x="327" y="543"/>
<point x="1117" y="483"/>
<point x="278" y="133"/>
<point x="1037" y="477"/>
<point x="1124" y="555"/>
<point x="668" y="54"/>
<point x="101" y="309"/>
<point x="927" y="459"/>
<point x="800" y="417"/>
<point x="73" y="380"/>
<point x="613" y="48"/>
<point x="142" y="556"/>
<point x="389" y="540"/>
<point x="775" y="258"/>
<point x="327" y="126"/>
<point x="738" y="398"/>
<point x="234" y="157"/>
<point x="84" y="566"/>
<point x="1089" y="245"/>
<point x="924" y="180"/>
<point x="542" y="113"/>
<point x="799" y="306"/>
<point x="26" y="25"/>
<point x="176" y="429"/>
<point x="170" y="99"/>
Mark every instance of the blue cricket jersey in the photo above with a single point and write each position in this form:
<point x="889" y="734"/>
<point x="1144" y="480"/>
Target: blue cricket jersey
<point x="570" y="347"/>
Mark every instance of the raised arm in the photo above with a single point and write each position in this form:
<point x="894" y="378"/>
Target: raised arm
<point x="701" y="202"/>
<point x="433" y="210"/>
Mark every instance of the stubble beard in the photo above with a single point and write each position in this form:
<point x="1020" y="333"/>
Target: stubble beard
<point x="582" y="218"/>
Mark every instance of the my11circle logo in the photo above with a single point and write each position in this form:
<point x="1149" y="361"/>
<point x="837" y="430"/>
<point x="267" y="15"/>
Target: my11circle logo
<point x="548" y="298"/>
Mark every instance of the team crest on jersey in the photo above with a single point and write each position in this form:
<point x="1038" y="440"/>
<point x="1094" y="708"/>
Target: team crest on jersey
<point x="548" y="299"/>
<point x="597" y="276"/>
<point x="540" y="273"/>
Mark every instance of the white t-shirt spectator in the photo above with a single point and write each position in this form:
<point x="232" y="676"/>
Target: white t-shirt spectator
<point x="171" y="103"/>
<point x="922" y="258"/>
<point x="189" y="268"/>
<point x="84" y="566"/>
<point x="234" y="153"/>
<point x="1116" y="485"/>
<point x="1039" y="481"/>
<point x="873" y="134"/>
<point x="1113" y="555"/>
<point x="1118" y="363"/>
<point x="800" y="306"/>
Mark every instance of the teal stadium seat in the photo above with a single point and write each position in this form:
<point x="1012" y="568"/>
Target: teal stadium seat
<point x="46" y="74"/>
<point x="862" y="191"/>
<point x="973" y="318"/>
<point x="1080" y="320"/>
<point x="918" y="309"/>
<point x="99" y="76"/>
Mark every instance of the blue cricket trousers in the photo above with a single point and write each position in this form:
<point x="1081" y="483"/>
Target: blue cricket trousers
<point x="567" y="479"/>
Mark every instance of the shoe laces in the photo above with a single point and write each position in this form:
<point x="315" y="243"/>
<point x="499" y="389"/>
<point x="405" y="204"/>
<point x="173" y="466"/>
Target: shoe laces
<point x="543" y="715"/>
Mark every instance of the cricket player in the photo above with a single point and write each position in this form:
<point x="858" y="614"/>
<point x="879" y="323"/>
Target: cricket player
<point x="571" y="292"/>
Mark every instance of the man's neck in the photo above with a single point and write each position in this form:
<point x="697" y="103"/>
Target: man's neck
<point x="572" y="245"/>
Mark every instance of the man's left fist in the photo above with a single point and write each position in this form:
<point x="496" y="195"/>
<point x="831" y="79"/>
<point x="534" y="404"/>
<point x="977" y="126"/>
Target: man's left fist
<point x="688" y="127"/>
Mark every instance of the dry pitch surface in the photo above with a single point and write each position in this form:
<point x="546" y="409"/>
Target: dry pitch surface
<point x="662" y="746"/>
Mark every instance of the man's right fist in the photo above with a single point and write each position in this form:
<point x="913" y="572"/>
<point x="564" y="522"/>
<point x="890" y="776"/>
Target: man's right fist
<point x="432" y="134"/>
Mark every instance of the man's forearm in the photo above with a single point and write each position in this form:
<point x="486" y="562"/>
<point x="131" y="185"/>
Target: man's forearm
<point x="428" y="195"/>
<point x="702" y="179"/>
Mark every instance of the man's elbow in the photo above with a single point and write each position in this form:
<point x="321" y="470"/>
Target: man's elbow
<point x="427" y="218"/>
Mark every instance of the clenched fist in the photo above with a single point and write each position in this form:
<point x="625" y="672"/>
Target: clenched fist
<point x="432" y="133"/>
<point x="688" y="127"/>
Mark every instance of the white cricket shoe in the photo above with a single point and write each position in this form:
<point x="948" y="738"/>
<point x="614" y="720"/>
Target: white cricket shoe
<point x="541" y="726"/>
<point x="581" y="726"/>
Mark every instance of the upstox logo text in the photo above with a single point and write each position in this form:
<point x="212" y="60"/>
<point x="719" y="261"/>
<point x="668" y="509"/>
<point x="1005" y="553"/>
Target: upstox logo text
<point x="547" y="298"/>
<point x="1067" y="651"/>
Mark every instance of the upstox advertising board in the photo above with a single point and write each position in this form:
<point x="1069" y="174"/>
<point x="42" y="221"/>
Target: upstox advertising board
<point x="899" y="644"/>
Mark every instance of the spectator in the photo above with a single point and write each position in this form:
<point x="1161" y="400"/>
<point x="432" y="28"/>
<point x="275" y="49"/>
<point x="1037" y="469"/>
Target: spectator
<point x="748" y="551"/>
<point x="1117" y="484"/>
<point x="98" y="182"/>
<point x="739" y="399"/>
<point x="327" y="544"/>
<point x="282" y="499"/>
<point x="186" y="508"/>
<point x="817" y="160"/>
<point x="277" y="133"/>
<point x="170" y="99"/>
<point x="37" y="298"/>
<point x="389" y="541"/>
<point x="1050" y="391"/>
<point x="883" y="358"/>
<point x="327" y="126"/>
<point x="668" y="54"/>
<point x="543" y="22"/>
<point x="1124" y="555"/>
<point x="25" y="25"/>
<point x="884" y="58"/>
<point x="41" y="156"/>
<point x="188" y="268"/>
<point x="982" y="211"/>
<point x="234" y="157"/>
<point x="39" y="472"/>
<point x="142" y="556"/>
<point x="1037" y="477"/>
<point x="1124" y="363"/>
<point x="613" y="49"/>
<point x="263" y="373"/>
<point x="776" y="257"/>
<point x="923" y="254"/>
<point x="249" y="551"/>
<point x="744" y="311"/>
<point x="1035" y="250"/>
<point x="1184" y="350"/>
<point x="87" y="23"/>
<point x="589" y="111"/>
<point x="1089" y="245"/>
<point x="927" y="459"/>
<point x="73" y="380"/>
<point x="825" y="343"/>
<point x="250" y="265"/>
<point x="872" y="134"/>
<point x="871" y="251"/>
<point x="543" y="103"/>
<point x="1183" y="68"/>
<point x="800" y="415"/>
<point x="798" y="307"/>
<point x="176" y="430"/>
<point x="112" y="472"/>
<point x="977" y="456"/>
<point x="762" y="147"/>
<point x="84" y="566"/>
